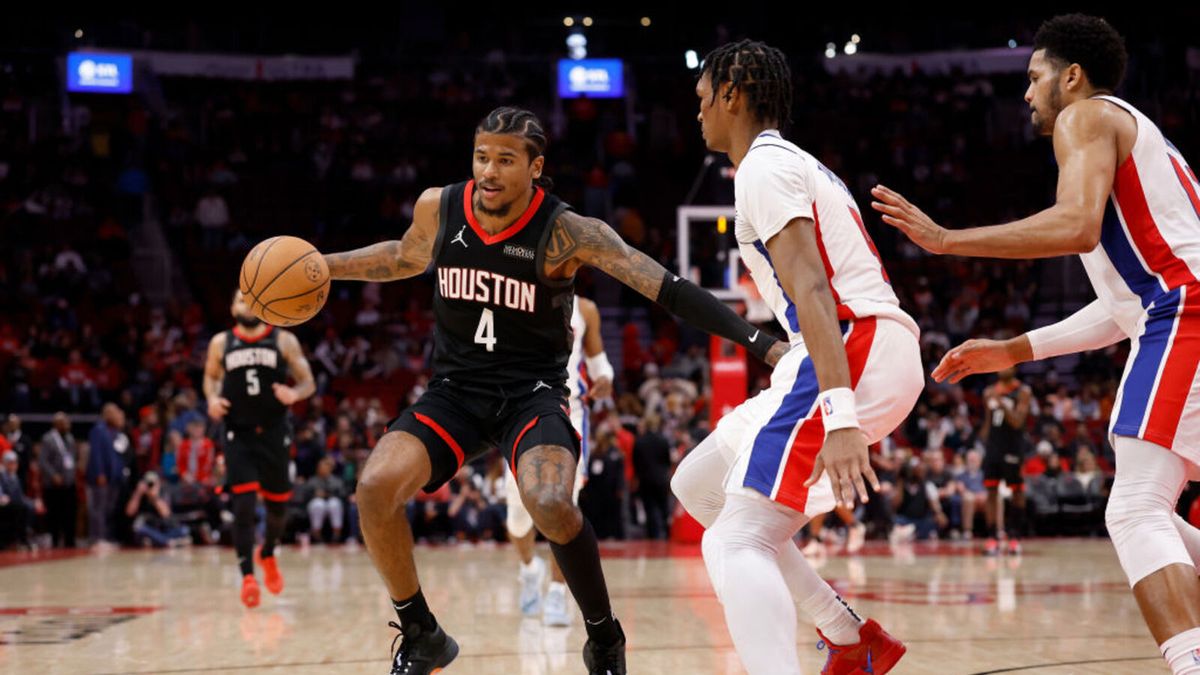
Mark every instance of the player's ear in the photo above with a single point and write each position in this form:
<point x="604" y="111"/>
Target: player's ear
<point x="731" y="95"/>
<point x="537" y="164"/>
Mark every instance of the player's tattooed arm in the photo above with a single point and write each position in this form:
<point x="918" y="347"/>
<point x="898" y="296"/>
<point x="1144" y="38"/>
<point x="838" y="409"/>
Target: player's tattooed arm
<point x="577" y="240"/>
<point x="395" y="259"/>
<point x="214" y="373"/>
<point x="305" y="385"/>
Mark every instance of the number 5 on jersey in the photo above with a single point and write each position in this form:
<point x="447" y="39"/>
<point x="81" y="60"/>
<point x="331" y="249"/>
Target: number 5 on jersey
<point x="485" y="334"/>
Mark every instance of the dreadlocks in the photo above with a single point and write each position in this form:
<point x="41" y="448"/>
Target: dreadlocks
<point x="761" y="73"/>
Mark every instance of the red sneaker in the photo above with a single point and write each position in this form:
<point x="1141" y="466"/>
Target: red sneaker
<point x="1014" y="547"/>
<point x="875" y="653"/>
<point x="250" y="594"/>
<point x="992" y="547"/>
<point x="272" y="579"/>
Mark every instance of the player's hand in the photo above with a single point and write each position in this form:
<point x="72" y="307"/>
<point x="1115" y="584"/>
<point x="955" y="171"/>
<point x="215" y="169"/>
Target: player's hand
<point x="777" y="351"/>
<point x="218" y="407"/>
<point x="285" y="394"/>
<point x="899" y="213"/>
<point x="845" y="457"/>
<point x="976" y="356"/>
<point x="602" y="388"/>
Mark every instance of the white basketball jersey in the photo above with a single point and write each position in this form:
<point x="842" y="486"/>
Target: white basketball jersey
<point x="1150" y="237"/>
<point x="575" y="380"/>
<point x="778" y="182"/>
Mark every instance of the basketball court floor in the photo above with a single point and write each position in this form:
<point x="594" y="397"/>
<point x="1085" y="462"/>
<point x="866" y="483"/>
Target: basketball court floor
<point x="1063" y="607"/>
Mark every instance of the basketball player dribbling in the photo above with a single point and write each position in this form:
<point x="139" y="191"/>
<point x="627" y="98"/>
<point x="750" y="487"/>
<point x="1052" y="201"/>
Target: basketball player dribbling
<point x="852" y="375"/>
<point x="1129" y="206"/>
<point x="505" y="252"/>
<point x="245" y="382"/>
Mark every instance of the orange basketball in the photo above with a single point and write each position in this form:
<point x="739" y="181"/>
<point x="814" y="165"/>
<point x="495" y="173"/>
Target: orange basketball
<point x="285" y="281"/>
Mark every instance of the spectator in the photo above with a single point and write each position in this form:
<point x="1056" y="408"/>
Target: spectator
<point x="195" y="455"/>
<point x="466" y="505"/>
<point x="195" y="507"/>
<point x="77" y="380"/>
<point x="942" y="479"/>
<point x="494" y="493"/>
<point x="57" y="462"/>
<point x="105" y="472"/>
<point x="151" y="514"/>
<point x="21" y="444"/>
<point x="974" y="494"/>
<point x="148" y="440"/>
<point x="427" y="514"/>
<point x="652" y="467"/>
<point x="186" y="411"/>
<point x="918" y="510"/>
<point x="603" y="496"/>
<point x="212" y="213"/>
<point x="325" y="492"/>
<point x="16" y="510"/>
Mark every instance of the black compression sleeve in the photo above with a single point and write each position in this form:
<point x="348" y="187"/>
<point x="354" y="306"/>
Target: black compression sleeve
<point x="703" y="310"/>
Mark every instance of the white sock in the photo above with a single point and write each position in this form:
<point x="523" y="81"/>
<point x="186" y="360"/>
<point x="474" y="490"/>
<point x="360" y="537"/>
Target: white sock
<point x="817" y="598"/>
<point x="1182" y="652"/>
<point x="558" y="587"/>
<point x="741" y="552"/>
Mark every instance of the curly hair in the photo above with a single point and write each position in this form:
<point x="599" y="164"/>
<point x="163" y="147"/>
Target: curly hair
<point x="761" y="73"/>
<point x="1089" y="41"/>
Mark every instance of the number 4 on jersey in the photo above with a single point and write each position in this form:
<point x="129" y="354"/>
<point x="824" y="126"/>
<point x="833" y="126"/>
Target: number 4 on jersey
<point x="485" y="334"/>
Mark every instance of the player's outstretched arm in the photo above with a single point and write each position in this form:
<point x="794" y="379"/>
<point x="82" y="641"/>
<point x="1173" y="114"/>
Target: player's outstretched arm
<point x="579" y="240"/>
<point x="1085" y="144"/>
<point x="1090" y="328"/>
<point x="392" y="260"/>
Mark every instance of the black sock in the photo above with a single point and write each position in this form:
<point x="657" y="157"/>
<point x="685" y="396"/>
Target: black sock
<point x="579" y="560"/>
<point x="243" y="530"/>
<point x="1016" y="520"/>
<point x="276" y="521"/>
<point x="414" y="611"/>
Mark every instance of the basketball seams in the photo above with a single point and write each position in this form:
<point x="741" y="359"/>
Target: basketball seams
<point x="270" y="243"/>
<point x="282" y="272"/>
<point x="298" y="295"/>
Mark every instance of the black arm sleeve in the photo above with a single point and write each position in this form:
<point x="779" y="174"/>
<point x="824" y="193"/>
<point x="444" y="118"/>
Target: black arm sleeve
<point x="703" y="310"/>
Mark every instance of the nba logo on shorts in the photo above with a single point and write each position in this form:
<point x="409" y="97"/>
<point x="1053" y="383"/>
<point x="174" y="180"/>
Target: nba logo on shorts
<point x="1196" y="656"/>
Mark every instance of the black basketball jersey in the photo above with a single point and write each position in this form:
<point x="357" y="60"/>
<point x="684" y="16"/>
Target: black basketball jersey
<point x="1002" y="436"/>
<point x="500" y="323"/>
<point x="251" y="367"/>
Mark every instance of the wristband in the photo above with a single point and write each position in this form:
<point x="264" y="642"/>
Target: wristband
<point x="838" y="409"/>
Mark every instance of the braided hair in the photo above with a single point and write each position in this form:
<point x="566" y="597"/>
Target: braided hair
<point x="523" y="123"/>
<point x="760" y="72"/>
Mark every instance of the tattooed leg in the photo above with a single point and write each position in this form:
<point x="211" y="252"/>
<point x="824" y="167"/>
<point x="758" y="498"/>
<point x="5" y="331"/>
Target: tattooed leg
<point x="546" y="477"/>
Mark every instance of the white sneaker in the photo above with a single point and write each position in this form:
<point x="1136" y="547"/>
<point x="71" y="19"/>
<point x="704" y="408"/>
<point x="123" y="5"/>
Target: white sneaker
<point x="532" y="576"/>
<point x="902" y="534"/>
<point x="555" y="610"/>
<point x="856" y="537"/>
